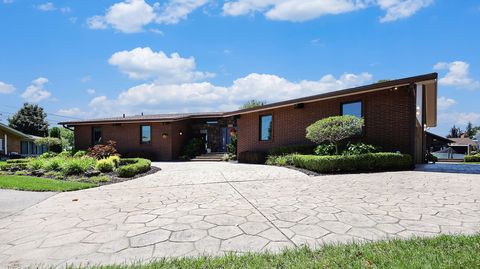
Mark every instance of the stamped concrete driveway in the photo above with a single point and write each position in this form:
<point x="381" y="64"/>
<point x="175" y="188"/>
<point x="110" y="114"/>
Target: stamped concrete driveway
<point x="213" y="208"/>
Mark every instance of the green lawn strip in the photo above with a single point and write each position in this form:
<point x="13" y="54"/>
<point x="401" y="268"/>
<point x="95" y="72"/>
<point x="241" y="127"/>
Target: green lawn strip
<point x="439" y="252"/>
<point x="25" y="183"/>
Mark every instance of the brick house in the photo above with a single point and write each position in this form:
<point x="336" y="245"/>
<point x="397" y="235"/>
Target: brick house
<point x="396" y="114"/>
<point x="13" y="142"/>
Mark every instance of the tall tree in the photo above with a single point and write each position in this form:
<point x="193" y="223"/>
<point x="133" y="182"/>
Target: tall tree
<point x="470" y="131"/>
<point x="55" y="132"/>
<point x="253" y="103"/>
<point x="30" y="119"/>
<point x="455" y="132"/>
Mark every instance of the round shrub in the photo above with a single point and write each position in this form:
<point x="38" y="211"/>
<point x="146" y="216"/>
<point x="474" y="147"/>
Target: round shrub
<point x="132" y="167"/>
<point x="54" y="164"/>
<point x="105" y="165"/>
<point x="472" y="158"/>
<point x="115" y="159"/>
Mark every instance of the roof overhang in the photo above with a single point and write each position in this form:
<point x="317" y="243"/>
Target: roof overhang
<point x="140" y="120"/>
<point x="429" y="80"/>
<point x="10" y="130"/>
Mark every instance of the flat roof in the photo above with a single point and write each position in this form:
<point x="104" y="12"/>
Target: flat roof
<point x="313" y="98"/>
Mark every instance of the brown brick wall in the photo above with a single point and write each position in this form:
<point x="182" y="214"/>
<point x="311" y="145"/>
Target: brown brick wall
<point x="127" y="137"/>
<point x="388" y="121"/>
<point x="13" y="142"/>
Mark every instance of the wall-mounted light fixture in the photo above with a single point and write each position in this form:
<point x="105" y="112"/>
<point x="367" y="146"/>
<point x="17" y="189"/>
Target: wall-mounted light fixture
<point x="164" y="135"/>
<point x="180" y="132"/>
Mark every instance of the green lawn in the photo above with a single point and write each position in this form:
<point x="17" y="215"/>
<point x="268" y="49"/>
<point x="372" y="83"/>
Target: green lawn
<point x="439" y="252"/>
<point x="25" y="183"/>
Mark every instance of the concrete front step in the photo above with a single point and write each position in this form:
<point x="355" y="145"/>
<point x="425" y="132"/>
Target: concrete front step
<point x="209" y="157"/>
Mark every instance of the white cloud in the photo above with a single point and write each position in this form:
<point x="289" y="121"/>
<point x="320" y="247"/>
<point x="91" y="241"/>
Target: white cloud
<point x="302" y="10"/>
<point x="399" y="9"/>
<point x="36" y="92"/>
<point x="204" y="96"/>
<point x="176" y="10"/>
<point x="49" y="6"/>
<point x="85" y="79"/>
<point x="460" y="118"/>
<point x="143" y="63"/>
<point x="444" y="103"/>
<point x="75" y="111"/>
<point x="457" y="75"/>
<point x="6" y="88"/>
<point x="129" y="17"/>
<point x="91" y="91"/>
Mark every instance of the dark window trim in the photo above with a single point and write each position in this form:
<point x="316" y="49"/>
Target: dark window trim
<point x="93" y="135"/>
<point x="362" y="110"/>
<point x="141" y="135"/>
<point x="260" y="127"/>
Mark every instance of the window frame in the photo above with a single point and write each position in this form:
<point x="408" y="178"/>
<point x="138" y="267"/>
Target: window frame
<point x="353" y="102"/>
<point x="260" y="128"/>
<point x="93" y="135"/>
<point x="141" y="134"/>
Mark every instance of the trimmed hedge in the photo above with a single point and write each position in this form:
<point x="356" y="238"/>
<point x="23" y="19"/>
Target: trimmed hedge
<point x="472" y="158"/>
<point x="255" y="157"/>
<point x="292" y="149"/>
<point x="132" y="167"/>
<point x="354" y="163"/>
<point x="105" y="165"/>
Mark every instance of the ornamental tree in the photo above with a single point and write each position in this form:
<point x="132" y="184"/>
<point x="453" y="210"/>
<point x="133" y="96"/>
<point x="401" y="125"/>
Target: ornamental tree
<point x="334" y="129"/>
<point x="30" y="119"/>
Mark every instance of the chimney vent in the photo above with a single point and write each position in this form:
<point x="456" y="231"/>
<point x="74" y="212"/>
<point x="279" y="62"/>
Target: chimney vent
<point x="142" y="113"/>
<point x="124" y="115"/>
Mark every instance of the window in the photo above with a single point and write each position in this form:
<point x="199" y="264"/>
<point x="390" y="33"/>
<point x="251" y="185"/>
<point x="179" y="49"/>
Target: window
<point x="24" y="147"/>
<point x="96" y="135"/>
<point x="1" y="145"/>
<point x="352" y="108"/>
<point x="145" y="134"/>
<point x="266" y="127"/>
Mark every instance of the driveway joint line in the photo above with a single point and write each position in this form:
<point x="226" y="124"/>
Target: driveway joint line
<point x="258" y="210"/>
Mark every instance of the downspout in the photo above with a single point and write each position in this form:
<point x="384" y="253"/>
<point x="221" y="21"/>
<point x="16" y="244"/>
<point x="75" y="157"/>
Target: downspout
<point x="6" y="145"/>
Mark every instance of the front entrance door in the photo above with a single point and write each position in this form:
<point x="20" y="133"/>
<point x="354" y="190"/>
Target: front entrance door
<point x="225" y="138"/>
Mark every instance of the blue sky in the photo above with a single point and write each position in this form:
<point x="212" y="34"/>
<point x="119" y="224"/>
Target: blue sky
<point x="88" y="59"/>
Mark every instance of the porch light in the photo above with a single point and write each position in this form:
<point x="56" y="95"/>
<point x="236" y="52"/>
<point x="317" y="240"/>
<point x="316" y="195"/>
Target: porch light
<point x="164" y="135"/>
<point x="180" y="133"/>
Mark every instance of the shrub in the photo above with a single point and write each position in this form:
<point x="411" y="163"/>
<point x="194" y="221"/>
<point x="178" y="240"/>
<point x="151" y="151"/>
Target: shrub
<point x="65" y="154"/>
<point x="77" y="166"/>
<point x="115" y="160"/>
<point x="48" y="155"/>
<point x="105" y="165"/>
<point x="132" y="167"/>
<point x="472" y="158"/>
<point x="334" y="129"/>
<point x="232" y="147"/>
<point x="359" y="148"/>
<point x="80" y="154"/>
<point x="54" y="164"/>
<point x="429" y="157"/>
<point x="103" y="151"/>
<point x="325" y="150"/>
<point x="282" y="160"/>
<point x="193" y="148"/>
<point x="354" y="163"/>
<point x="284" y="150"/>
<point x="255" y="157"/>
<point x="36" y="164"/>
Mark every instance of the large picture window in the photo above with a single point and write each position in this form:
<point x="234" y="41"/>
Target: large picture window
<point x="352" y="108"/>
<point x="96" y="135"/>
<point x="145" y="134"/>
<point x="266" y="127"/>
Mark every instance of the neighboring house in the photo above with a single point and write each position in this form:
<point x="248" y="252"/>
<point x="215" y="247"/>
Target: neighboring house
<point x="396" y="114"/>
<point x="13" y="142"/>
<point x="436" y="142"/>
<point x="463" y="145"/>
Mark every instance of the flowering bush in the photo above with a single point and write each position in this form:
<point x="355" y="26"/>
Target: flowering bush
<point x="103" y="151"/>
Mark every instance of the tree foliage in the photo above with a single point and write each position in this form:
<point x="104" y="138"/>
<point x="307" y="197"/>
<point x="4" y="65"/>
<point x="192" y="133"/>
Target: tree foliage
<point x="455" y="132"/>
<point x="67" y="138"/>
<point x="253" y="103"/>
<point x="334" y="129"/>
<point x="30" y="119"/>
<point x="103" y="151"/>
<point x="48" y="141"/>
<point x="470" y="130"/>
